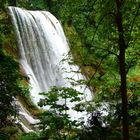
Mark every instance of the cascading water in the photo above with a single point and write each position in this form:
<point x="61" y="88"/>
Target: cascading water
<point x="44" y="52"/>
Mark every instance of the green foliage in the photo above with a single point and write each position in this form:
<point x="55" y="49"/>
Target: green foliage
<point x="3" y="135"/>
<point x="36" y="4"/>
<point x="10" y="132"/>
<point x="9" y="87"/>
<point x="56" y="122"/>
<point x="30" y="136"/>
<point x="56" y="93"/>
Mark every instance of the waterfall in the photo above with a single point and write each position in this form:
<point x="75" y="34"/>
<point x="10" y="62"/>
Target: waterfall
<point x="44" y="52"/>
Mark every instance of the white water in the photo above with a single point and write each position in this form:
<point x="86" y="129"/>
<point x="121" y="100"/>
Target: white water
<point x="43" y="47"/>
<point x="25" y="119"/>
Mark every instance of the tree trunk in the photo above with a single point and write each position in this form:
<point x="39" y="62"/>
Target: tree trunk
<point x="123" y="88"/>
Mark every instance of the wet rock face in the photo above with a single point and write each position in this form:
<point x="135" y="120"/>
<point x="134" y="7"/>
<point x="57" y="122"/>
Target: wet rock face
<point x="25" y="119"/>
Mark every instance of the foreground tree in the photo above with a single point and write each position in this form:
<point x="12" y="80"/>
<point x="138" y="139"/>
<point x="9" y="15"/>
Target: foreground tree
<point x="56" y="122"/>
<point x="123" y="44"/>
<point x="122" y="48"/>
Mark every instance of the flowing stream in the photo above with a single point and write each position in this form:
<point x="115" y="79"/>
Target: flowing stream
<point x="44" y="53"/>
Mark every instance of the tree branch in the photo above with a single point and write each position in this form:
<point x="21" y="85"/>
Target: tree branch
<point x="95" y="72"/>
<point x="132" y="25"/>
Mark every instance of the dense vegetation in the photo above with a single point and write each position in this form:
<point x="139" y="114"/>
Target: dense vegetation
<point x="104" y="40"/>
